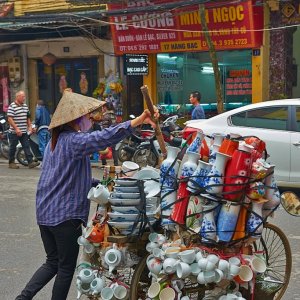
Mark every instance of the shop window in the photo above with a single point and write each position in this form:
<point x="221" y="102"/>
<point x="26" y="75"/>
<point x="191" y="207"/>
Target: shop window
<point x="180" y="74"/>
<point x="268" y="118"/>
<point x="298" y="119"/>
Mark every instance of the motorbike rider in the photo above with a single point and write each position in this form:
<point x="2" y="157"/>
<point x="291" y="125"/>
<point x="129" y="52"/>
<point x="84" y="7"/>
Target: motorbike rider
<point x="42" y="121"/>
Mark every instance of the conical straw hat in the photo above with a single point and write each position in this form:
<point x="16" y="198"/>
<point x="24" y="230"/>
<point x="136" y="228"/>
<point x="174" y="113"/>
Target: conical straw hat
<point x="73" y="106"/>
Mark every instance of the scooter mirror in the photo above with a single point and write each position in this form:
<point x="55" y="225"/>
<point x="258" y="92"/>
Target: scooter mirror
<point x="291" y="203"/>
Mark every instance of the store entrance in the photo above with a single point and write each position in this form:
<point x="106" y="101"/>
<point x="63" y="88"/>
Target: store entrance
<point x="135" y="102"/>
<point x="78" y="74"/>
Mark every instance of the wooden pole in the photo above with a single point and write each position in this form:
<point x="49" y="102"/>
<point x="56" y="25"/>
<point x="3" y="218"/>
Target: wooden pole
<point x="158" y="133"/>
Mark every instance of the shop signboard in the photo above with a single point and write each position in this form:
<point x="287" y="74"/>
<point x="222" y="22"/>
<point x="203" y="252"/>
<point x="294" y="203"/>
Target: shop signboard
<point x="231" y="25"/>
<point x="239" y="82"/>
<point x="136" y="64"/>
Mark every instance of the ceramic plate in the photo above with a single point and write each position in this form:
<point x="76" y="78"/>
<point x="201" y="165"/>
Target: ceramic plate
<point x="131" y="202"/>
<point x="131" y="209"/>
<point x="126" y="225"/>
<point x="126" y="189"/>
<point x="147" y="173"/>
<point x="120" y="195"/>
<point x="151" y="188"/>
<point x="125" y="182"/>
<point x="119" y="217"/>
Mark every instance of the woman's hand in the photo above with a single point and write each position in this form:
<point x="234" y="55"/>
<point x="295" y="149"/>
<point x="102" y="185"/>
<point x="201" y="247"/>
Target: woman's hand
<point x="145" y="118"/>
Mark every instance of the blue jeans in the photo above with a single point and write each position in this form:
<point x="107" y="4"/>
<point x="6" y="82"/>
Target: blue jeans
<point x="44" y="137"/>
<point x="61" y="247"/>
<point x="13" y="142"/>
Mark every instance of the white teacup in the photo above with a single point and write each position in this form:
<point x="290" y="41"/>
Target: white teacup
<point x="199" y="256"/>
<point x="202" y="263"/>
<point x="89" y="248"/>
<point x="82" y="241"/>
<point x="257" y="264"/>
<point x="154" y="290"/>
<point x="213" y="258"/>
<point x="107" y="293"/>
<point x="172" y="252"/>
<point x="233" y="270"/>
<point x="195" y="269"/>
<point x="219" y="275"/>
<point x="187" y="256"/>
<point x="154" y="265"/>
<point x="209" y="276"/>
<point x="120" y="292"/>
<point x="151" y="246"/>
<point x="167" y="294"/>
<point x="129" y="168"/>
<point x="201" y="278"/>
<point x="91" y="195"/>
<point x="234" y="261"/>
<point x="183" y="270"/>
<point x="158" y="253"/>
<point x="169" y="265"/>
<point x="223" y="265"/>
<point x="231" y="297"/>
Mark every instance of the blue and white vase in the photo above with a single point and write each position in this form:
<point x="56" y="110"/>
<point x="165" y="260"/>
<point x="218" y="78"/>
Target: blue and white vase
<point x="168" y="198"/>
<point x="215" y="178"/>
<point x="190" y="165"/>
<point x="213" y="153"/>
<point x="227" y="220"/>
<point x="169" y="169"/>
<point x="208" y="230"/>
<point x="196" y="143"/>
<point x="255" y="222"/>
<point x="196" y="181"/>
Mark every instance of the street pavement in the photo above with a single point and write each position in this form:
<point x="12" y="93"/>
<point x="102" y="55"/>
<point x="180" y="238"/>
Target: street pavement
<point x="21" y="251"/>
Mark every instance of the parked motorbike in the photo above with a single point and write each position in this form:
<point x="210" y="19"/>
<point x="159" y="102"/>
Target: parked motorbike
<point x="128" y="146"/>
<point x="34" y="148"/>
<point x="4" y="138"/>
<point x="148" y="152"/>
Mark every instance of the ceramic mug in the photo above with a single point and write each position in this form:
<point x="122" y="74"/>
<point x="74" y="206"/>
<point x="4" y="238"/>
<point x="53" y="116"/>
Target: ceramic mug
<point x="101" y="194"/>
<point x="154" y="265"/>
<point x="257" y="264"/>
<point x="245" y="274"/>
<point x="183" y="270"/>
<point x="154" y="290"/>
<point x="172" y="252"/>
<point x="187" y="256"/>
<point x="169" y="265"/>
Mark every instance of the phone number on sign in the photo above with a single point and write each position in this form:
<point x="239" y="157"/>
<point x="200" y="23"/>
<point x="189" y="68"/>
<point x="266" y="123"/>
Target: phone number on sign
<point x="231" y="42"/>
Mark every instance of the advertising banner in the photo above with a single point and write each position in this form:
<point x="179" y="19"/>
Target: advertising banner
<point x="231" y="26"/>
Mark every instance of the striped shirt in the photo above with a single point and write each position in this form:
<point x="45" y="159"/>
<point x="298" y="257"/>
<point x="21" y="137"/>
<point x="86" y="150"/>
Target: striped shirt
<point x="66" y="174"/>
<point x="20" y="114"/>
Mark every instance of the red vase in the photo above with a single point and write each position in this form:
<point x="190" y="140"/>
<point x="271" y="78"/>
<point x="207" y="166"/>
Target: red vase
<point x="237" y="175"/>
<point x="179" y="211"/>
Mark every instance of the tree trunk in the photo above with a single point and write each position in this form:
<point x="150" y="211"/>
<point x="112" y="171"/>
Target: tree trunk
<point x="214" y="59"/>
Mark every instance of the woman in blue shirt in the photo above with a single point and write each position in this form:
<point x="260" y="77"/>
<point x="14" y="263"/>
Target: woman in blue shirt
<point x="61" y="198"/>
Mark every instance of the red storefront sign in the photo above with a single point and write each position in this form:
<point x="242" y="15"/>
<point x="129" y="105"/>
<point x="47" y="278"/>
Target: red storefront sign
<point x="232" y="26"/>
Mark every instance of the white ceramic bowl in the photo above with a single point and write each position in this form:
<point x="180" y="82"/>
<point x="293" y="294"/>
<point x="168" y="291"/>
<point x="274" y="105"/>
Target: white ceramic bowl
<point x="129" y="168"/>
<point x="126" y="182"/>
<point x="147" y="173"/>
<point x="128" y="202"/>
<point x="119" y="217"/>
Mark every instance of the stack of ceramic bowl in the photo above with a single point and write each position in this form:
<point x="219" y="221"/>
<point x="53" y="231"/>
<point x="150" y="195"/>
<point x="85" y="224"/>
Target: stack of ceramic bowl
<point x="125" y="201"/>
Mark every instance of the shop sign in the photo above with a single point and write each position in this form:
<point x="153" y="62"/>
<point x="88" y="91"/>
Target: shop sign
<point x="290" y="12"/>
<point x="136" y="64"/>
<point x="239" y="82"/>
<point x="231" y="25"/>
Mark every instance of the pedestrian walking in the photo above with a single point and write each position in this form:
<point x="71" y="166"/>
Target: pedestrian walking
<point x="198" y="111"/>
<point x="61" y="199"/>
<point x="42" y="121"/>
<point x="18" y="117"/>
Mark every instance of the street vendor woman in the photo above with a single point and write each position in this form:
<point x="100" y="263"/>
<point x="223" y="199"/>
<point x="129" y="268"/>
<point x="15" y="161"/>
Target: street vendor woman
<point x="61" y="198"/>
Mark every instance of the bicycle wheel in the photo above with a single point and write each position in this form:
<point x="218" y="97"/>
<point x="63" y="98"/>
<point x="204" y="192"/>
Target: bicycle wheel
<point x="277" y="251"/>
<point x="141" y="282"/>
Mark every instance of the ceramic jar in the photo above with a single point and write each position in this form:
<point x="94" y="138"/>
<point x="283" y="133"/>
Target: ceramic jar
<point x="189" y="167"/>
<point x="227" y="221"/>
<point x="215" y="178"/>
<point x="213" y="153"/>
<point x="196" y="143"/>
<point x="237" y="175"/>
<point x="255" y="221"/>
<point x="228" y="146"/>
